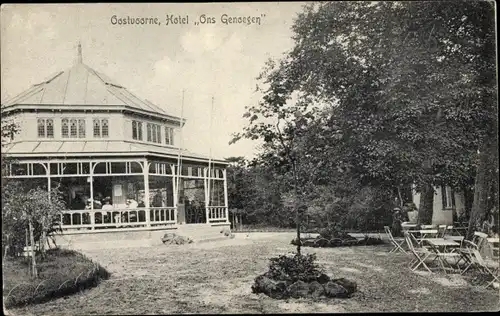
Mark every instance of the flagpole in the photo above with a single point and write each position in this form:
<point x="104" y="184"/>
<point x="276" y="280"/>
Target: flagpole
<point x="179" y="155"/>
<point x="210" y="158"/>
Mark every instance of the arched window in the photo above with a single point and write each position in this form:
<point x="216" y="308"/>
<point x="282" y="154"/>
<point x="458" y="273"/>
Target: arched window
<point x="139" y="130"/>
<point x="97" y="128"/>
<point x="105" y="128"/>
<point x="50" y="128"/>
<point x="134" y="130"/>
<point x="81" y="128"/>
<point x="158" y="134"/>
<point x="150" y="138"/>
<point x="73" y="127"/>
<point x="41" y="128"/>
<point x="169" y="135"/>
<point x="64" y="128"/>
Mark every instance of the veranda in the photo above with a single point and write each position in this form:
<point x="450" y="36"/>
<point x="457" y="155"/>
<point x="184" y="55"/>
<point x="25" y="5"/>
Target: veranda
<point x="166" y="197"/>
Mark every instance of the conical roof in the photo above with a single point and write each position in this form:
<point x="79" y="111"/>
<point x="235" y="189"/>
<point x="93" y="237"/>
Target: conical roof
<point x="81" y="85"/>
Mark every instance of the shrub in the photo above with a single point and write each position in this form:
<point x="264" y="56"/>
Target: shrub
<point x="299" y="276"/>
<point x="294" y="268"/>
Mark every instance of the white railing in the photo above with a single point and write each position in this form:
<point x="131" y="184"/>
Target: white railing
<point x="117" y="218"/>
<point x="162" y="215"/>
<point x="217" y="214"/>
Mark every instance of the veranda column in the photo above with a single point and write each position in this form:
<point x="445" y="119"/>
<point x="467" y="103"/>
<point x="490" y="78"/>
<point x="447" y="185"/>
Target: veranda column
<point x="206" y="186"/>
<point x="91" y="181"/>
<point x="175" y="178"/>
<point x="226" y="201"/>
<point x="145" y="171"/>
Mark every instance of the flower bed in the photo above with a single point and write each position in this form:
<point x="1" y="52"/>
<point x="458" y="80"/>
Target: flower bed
<point x="298" y="276"/>
<point x="60" y="273"/>
<point x="338" y="242"/>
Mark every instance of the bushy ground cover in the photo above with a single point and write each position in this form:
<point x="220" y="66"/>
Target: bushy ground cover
<point x="60" y="273"/>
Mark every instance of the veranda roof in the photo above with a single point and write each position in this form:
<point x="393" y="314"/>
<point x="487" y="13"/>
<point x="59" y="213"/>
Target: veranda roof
<point x="97" y="148"/>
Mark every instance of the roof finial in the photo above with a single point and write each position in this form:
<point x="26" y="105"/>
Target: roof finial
<point x="79" y="59"/>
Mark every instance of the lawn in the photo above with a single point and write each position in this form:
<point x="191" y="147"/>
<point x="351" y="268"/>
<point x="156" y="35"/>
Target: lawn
<point x="216" y="277"/>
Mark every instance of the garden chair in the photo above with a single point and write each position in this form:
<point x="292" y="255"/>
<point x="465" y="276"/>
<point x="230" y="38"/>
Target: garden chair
<point x="442" y="231"/>
<point x="419" y="252"/>
<point x="396" y="242"/>
<point x="470" y="247"/>
<point x="487" y="267"/>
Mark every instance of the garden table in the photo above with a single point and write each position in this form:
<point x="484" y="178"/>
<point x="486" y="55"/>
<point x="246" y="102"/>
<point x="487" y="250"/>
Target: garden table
<point x="424" y="234"/>
<point x="458" y="239"/>
<point x="443" y="248"/>
<point x="408" y="226"/>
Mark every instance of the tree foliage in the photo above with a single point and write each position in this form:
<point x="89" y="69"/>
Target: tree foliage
<point x="388" y="93"/>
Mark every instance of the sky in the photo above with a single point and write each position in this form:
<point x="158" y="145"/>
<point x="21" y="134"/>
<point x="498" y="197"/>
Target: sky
<point x="156" y="62"/>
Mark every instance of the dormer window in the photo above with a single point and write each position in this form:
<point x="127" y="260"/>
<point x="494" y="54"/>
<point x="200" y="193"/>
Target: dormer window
<point x="45" y="128"/>
<point x="169" y="135"/>
<point x="101" y="128"/>
<point x="136" y="130"/>
<point x="73" y="128"/>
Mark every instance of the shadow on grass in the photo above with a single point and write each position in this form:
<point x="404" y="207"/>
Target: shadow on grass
<point x="60" y="273"/>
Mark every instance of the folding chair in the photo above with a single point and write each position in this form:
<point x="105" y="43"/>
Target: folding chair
<point x="486" y="266"/>
<point x="471" y="246"/>
<point x="441" y="231"/>
<point x="396" y="242"/>
<point x="420" y="253"/>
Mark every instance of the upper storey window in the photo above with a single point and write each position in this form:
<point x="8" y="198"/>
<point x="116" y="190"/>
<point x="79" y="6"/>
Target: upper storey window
<point x="45" y="128"/>
<point x="101" y="128"/>
<point x="169" y="135"/>
<point x="137" y="130"/>
<point x="73" y="128"/>
<point x="154" y="133"/>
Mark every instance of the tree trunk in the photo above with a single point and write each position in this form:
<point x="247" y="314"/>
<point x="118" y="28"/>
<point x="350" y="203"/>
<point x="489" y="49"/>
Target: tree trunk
<point x="33" y="257"/>
<point x="296" y="205"/>
<point x="483" y="176"/>
<point x="426" y="205"/>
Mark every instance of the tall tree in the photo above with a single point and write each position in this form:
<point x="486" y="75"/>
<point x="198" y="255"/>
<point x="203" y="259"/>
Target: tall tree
<point x="405" y="89"/>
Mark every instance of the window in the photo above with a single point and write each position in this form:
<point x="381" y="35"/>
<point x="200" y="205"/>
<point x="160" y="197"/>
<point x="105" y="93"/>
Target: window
<point x="154" y="133"/>
<point x="105" y="128"/>
<point x="149" y="132"/>
<point x="101" y="128"/>
<point x="137" y="130"/>
<point x="448" y="197"/>
<point x="158" y="134"/>
<point x="81" y="128"/>
<point x="97" y="127"/>
<point x="74" y="128"/>
<point x="45" y="128"/>
<point x="64" y="128"/>
<point x="169" y="135"/>
<point x="50" y="128"/>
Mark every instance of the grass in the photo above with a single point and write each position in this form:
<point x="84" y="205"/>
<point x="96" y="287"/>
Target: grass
<point x="60" y="272"/>
<point x="216" y="277"/>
